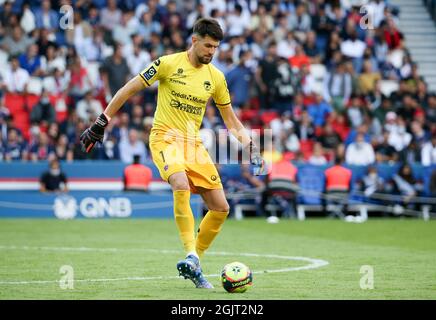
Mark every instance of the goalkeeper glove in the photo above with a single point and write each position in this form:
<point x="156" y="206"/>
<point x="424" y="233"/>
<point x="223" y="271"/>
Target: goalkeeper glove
<point x="94" y="134"/>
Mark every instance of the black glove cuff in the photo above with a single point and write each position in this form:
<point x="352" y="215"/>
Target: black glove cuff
<point x="100" y="124"/>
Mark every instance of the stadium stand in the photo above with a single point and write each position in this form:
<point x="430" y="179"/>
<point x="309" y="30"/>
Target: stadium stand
<point x="358" y="87"/>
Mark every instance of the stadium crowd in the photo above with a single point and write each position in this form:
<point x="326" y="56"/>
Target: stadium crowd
<point x="326" y="79"/>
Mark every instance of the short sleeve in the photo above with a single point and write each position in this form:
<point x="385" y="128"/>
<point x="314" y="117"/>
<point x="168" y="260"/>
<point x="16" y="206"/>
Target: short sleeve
<point x="153" y="72"/>
<point x="221" y="95"/>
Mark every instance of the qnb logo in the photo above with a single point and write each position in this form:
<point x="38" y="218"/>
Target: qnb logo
<point x="89" y="207"/>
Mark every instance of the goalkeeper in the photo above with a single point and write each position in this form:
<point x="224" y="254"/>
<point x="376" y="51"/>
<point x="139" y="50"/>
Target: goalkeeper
<point x="186" y="82"/>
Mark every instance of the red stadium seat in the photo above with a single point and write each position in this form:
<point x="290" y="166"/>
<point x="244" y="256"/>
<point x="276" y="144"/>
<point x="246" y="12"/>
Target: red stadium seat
<point x="14" y="102"/>
<point x="268" y="116"/>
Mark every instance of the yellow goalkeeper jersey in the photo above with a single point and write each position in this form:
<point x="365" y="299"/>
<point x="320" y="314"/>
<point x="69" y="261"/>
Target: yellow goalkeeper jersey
<point x="183" y="93"/>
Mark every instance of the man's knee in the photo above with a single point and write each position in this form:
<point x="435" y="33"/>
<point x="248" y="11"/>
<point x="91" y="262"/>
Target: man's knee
<point x="222" y="207"/>
<point x="179" y="182"/>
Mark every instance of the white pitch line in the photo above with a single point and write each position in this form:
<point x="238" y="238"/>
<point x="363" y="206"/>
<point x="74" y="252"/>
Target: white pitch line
<point x="313" y="263"/>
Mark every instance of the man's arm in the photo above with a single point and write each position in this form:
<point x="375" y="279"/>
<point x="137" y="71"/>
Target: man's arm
<point x="234" y="125"/>
<point x="238" y="131"/>
<point x="95" y="133"/>
<point x="128" y="90"/>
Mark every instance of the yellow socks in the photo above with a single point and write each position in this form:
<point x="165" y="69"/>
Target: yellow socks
<point x="210" y="226"/>
<point x="184" y="219"/>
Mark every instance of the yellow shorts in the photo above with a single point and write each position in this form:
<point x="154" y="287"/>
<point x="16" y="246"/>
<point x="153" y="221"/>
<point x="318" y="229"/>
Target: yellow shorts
<point x="171" y="155"/>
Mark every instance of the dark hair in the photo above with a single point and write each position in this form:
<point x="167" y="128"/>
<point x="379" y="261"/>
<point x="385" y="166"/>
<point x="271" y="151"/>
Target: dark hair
<point x="338" y="159"/>
<point x="208" y="27"/>
<point x="136" y="158"/>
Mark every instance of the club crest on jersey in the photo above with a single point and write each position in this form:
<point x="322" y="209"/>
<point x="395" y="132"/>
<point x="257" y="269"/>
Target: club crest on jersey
<point x="149" y="73"/>
<point x="207" y="85"/>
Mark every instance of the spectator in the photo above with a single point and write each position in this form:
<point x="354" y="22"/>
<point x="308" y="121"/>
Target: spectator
<point x="299" y="59"/>
<point x="286" y="47"/>
<point x="16" y="78"/>
<point x="428" y="153"/>
<point x="262" y="19"/>
<point x="337" y="87"/>
<point x="307" y="81"/>
<point x="148" y="27"/>
<point x="132" y="146"/>
<point x="80" y="34"/>
<point x="372" y="183"/>
<point x="305" y="129"/>
<point x="51" y="62"/>
<point x="137" y="177"/>
<point x="300" y="21"/>
<point x="406" y="186"/>
<point x="116" y="71"/>
<point x="319" y="111"/>
<point x="400" y="138"/>
<point x="89" y="108"/>
<point x="266" y="76"/>
<point x="329" y="139"/>
<point x="292" y="143"/>
<point x="16" y="43"/>
<point x="53" y="180"/>
<point x="393" y="37"/>
<point x="43" y="112"/>
<point x="79" y="81"/>
<point x="122" y="33"/>
<point x="311" y="48"/>
<point x="354" y="49"/>
<point x="31" y="61"/>
<point x="63" y="150"/>
<point x="239" y="79"/>
<point x="42" y="149"/>
<point x="368" y="79"/>
<point x="110" y="16"/>
<point x="360" y="153"/>
<point x="285" y="87"/>
<point x="46" y="17"/>
<point x="384" y="152"/>
<point x="384" y="108"/>
<point x="137" y="60"/>
<point x="237" y="21"/>
<point x="15" y="148"/>
<point x="317" y="158"/>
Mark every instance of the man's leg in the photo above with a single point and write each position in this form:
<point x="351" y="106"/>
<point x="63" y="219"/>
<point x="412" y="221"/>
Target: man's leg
<point x="212" y="222"/>
<point x="189" y="267"/>
<point x="182" y="210"/>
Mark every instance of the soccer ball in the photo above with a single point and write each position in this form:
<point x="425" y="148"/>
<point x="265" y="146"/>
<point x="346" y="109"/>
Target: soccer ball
<point x="236" y="277"/>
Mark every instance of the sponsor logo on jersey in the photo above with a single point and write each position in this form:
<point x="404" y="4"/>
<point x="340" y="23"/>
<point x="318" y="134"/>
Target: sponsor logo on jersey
<point x="189" y="97"/>
<point x="207" y="85"/>
<point x="149" y="73"/>
<point x="157" y="62"/>
<point x="186" y="107"/>
<point x="178" y="75"/>
<point x="177" y="81"/>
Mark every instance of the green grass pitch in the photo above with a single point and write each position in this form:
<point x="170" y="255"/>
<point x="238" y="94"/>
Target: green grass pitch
<point x="135" y="259"/>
